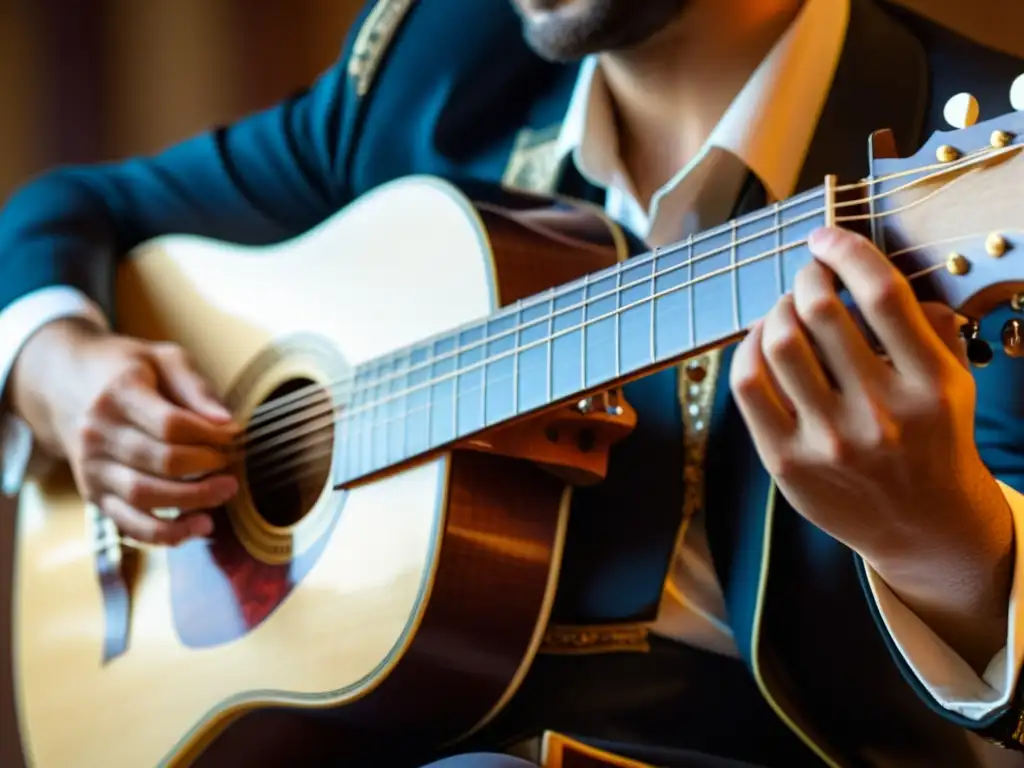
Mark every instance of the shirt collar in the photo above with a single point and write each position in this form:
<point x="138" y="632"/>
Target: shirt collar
<point x="769" y="125"/>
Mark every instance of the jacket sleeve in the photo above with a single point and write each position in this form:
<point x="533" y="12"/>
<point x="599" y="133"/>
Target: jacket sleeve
<point x="266" y="178"/>
<point x="990" y="703"/>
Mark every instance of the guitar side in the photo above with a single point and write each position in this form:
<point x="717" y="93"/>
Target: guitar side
<point x="429" y="584"/>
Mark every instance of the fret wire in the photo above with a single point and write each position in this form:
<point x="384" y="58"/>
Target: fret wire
<point x="693" y="306"/>
<point x="654" y="303"/>
<point x="617" y="325"/>
<point x="405" y="420"/>
<point x="583" y="331"/>
<point x="778" y="247"/>
<point x="516" y="337"/>
<point x="483" y="380"/>
<point x="734" y="271"/>
<point x="455" y="388"/>
<point x="387" y="441"/>
<point x="366" y="418"/>
<point x="549" y="394"/>
<point x="430" y="411"/>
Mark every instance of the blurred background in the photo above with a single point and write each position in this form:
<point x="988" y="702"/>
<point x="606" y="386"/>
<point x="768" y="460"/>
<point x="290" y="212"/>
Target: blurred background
<point x="89" y="80"/>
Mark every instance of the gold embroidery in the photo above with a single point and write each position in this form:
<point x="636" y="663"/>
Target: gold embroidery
<point x="697" y="379"/>
<point x="556" y="747"/>
<point x="535" y="162"/>
<point x="565" y="639"/>
<point x="372" y="42"/>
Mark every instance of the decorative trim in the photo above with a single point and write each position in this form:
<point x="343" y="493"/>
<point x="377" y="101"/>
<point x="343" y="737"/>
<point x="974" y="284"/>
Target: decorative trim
<point x="535" y="161"/>
<point x="698" y="378"/>
<point x="755" y="640"/>
<point x="1013" y="740"/>
<point x="373" y="40"/>
<point x="556" y="747"/>
<point x="607" y="638"/>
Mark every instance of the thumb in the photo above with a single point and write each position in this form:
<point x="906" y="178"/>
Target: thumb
<point x="947" y="323"/>
<point x="184" y="386"/>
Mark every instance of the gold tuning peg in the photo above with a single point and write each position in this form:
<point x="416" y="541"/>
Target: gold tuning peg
<point x="1013" y="337"/>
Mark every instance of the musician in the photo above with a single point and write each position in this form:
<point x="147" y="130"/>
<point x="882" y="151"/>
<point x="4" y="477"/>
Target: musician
<point x="805" y="554"/>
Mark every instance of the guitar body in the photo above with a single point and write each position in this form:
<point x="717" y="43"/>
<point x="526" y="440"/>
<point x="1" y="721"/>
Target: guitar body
<point x="404" y="608"/>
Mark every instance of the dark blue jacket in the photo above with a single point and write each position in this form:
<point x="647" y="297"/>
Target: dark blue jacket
<point x="447" y="87"/>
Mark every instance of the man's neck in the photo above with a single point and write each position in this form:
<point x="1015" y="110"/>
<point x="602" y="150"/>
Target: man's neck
<point x="670" y="92"/>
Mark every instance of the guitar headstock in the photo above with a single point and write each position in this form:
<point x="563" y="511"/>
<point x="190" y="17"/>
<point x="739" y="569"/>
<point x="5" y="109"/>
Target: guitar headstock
<point x="951" y="216"/>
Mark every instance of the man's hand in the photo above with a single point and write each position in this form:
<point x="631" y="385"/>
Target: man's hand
<point x="138" y="426"/>
<point x="880" y="453"/>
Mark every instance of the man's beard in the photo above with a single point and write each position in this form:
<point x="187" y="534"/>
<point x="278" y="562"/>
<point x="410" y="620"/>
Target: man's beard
<point x="567" y="31"/>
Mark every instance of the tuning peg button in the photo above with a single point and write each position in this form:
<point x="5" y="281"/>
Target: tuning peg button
<point x="1017" y="93"/>
<point x="962" y="111"/>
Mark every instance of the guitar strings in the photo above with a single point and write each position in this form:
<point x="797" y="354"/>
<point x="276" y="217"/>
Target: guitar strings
<point x="272" y="415"/>
<point x="312" y="426"/>
<point x="292" y="441"/>
<point x="297" y="398"/>
<point x="303" y="417"/>
<point x="295" y="447"/>
<point x="278" y="407"/>
<point x="348" y="416"/>
<point x="266" y="410"/>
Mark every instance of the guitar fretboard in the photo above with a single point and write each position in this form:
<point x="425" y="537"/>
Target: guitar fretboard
<point x="645" y="313"/>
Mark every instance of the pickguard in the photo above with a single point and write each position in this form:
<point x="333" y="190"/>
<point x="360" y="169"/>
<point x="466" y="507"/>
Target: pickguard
<point x="220" y="592"/>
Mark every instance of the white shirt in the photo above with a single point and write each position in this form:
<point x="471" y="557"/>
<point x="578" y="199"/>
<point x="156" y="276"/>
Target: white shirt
<point x="767" y="130"/>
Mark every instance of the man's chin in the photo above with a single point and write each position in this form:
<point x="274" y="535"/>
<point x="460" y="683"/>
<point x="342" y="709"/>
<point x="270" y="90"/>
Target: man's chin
<point x="567" y="30"/>
<point x="544" y="7"/>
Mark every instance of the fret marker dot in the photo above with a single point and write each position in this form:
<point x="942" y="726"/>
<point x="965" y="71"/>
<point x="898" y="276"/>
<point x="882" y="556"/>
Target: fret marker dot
<point x="961" y="111"/>
<point x="1017" y="93"/>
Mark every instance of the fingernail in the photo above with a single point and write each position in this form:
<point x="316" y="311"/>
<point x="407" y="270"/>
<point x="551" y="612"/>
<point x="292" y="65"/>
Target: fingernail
<point x="821" y="240"/>
<point x="218" y="411"/>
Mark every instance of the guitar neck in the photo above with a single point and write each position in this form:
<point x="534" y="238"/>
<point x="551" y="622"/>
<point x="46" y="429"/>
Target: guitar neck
<point x="647" y="313"/>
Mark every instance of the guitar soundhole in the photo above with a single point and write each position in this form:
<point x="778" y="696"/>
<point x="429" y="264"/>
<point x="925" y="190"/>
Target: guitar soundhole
<point x="288" y="461"/>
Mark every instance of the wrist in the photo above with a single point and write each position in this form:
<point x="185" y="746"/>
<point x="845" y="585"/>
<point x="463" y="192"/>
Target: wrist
<point x="43" y="372"/>
<point x="957" y="578"/>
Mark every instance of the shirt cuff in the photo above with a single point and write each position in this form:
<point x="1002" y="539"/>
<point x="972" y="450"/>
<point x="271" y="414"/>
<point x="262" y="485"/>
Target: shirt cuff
<point x="950" y="680"/>
<point x="18" y="323"/>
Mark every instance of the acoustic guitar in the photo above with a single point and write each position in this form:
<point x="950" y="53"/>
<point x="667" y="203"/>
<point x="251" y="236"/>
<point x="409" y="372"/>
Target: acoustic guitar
<point x="422" y="378"/>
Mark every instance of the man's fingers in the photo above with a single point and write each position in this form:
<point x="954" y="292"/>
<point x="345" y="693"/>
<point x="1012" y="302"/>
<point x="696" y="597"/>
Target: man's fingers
<point x="884" y="297"/>
<point x="145" y="492"/>
<point x="186" y="387"/>
<point x="143" y="527"/>
<point x="757" y="394"/>
<point x="138" y="450"/>
<point x="947" y="324"/>
<point x="148" y="410"/>
<point x="838" y="342"/>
